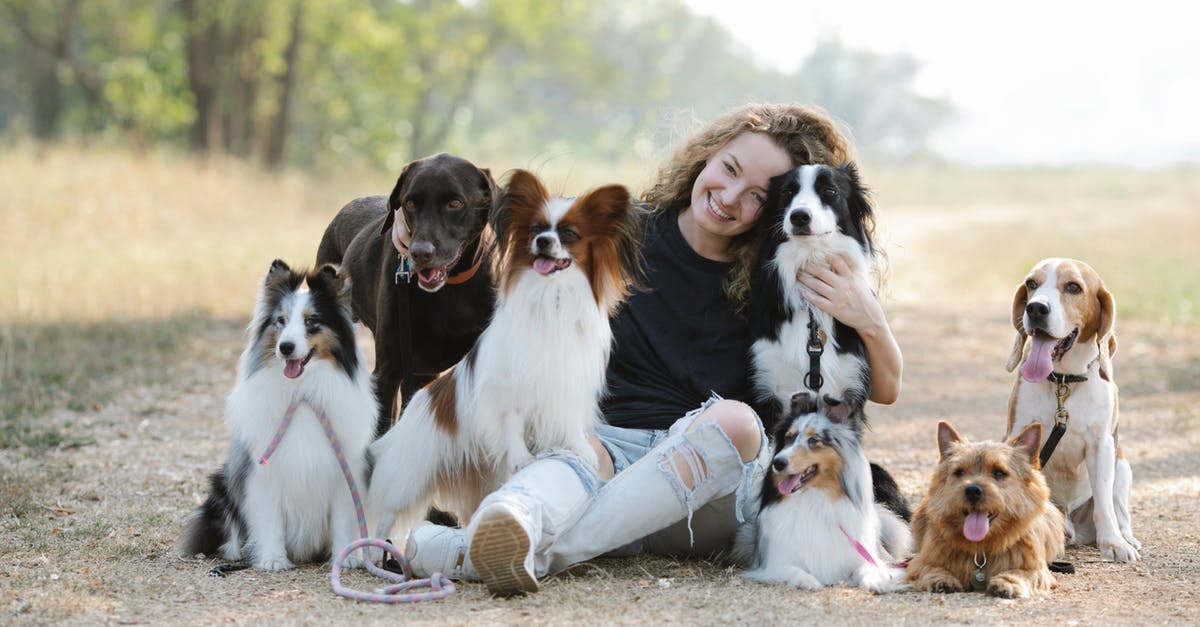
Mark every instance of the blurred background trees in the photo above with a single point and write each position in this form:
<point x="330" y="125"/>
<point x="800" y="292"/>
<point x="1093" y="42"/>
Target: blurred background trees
<point x="309" y="83"/>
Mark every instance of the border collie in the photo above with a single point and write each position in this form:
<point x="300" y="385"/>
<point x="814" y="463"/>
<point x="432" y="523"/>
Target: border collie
<point x="810" y="213"/>
<point x="818" y="524"/>
<point x="533" y="380"/>
<point x="301" y="357"/>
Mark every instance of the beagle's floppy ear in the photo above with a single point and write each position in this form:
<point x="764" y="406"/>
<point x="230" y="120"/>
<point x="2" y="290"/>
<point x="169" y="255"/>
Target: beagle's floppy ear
<point x="396" y="197"/>
<point x="1106" y="335"/>
<point x="1020" y="299"/>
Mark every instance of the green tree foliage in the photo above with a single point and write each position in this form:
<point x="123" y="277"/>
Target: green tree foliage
<point x="384" y="81"/>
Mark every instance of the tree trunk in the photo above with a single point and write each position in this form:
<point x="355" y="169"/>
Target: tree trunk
<point x="277" y="139"/>
<point x="201" y="46"/>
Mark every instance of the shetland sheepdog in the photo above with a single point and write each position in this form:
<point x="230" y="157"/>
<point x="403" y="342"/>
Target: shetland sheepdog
<point x="533" y="380"/>
<point x="810" y="213"/>
<point x="817" y="523"/>
<point x="300" y="357"/>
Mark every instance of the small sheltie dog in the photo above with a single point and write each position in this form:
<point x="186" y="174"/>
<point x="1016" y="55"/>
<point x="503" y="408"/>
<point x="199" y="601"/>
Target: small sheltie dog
<point x="810" y="213"/>
<point x="296" y="507"/>
<point x="987" y="522"/>
<point x="533" y="380"/>
<point x="818" y="524"/>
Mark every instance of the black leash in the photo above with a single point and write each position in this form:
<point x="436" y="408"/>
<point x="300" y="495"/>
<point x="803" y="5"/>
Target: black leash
<point x="816" y="346"/>
<point x="1062" y="391"/>
<point x="403" y="280"/>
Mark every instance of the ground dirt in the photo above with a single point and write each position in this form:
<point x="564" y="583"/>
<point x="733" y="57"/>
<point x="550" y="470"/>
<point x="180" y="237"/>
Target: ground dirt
<point x="93" y="541"/>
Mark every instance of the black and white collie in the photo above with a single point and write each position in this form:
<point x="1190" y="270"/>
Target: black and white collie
<point x="818" y="524"/>
<point x="301" y="357"/>
<point x="533" y="380"/>
<point x="811" y="212"/>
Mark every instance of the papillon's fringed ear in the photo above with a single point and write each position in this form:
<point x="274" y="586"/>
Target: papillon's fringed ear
<point x="1106" y="336"/>
<point x="1020" y="299"/>
<point x="1029" y="442"/>
<point x="946" y="437"/>
<point x="524" y="194"/>
<point x="395" y="198"/>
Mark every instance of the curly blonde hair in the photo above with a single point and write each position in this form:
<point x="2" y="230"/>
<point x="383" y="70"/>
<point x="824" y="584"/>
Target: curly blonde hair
<point x="807" y="134"/>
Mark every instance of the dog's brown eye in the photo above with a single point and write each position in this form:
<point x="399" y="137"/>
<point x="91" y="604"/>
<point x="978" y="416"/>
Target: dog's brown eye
<point x="568" y="236"/>
<point x="1030" y="284"/>
<point x="456" y="204"/>
<point x="1074" y="288"/>
<point x="999" y="474"/>
<point x="958" y="472"/>
<point x="281" y="321"/>
<point x="814" y="442"/>
<point x="408" y="204"/>
<point x="830" y="192"/>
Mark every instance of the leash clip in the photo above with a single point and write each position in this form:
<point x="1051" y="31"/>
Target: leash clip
<point x="403" y="270"/>
<point x="1062" y="392"/>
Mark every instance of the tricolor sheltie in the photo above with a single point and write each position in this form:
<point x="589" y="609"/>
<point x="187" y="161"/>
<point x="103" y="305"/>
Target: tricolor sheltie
<point x="818" y="524"/>
<point x="810" y="213"/>
<point x="533" y="380"/>
<point x="296" y="507"/>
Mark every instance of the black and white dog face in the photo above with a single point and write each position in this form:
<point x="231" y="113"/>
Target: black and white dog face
<point x="819" y="200"/>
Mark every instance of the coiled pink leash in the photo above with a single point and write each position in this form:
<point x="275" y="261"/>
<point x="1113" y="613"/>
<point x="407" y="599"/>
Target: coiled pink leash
<point x="440" y="586"/>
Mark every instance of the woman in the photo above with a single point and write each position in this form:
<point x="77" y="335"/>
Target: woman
<point x="681" y="453"/>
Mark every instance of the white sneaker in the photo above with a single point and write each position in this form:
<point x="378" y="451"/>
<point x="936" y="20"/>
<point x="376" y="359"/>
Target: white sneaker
<point x="436" y="549"/>
<point x="502" y="551"/>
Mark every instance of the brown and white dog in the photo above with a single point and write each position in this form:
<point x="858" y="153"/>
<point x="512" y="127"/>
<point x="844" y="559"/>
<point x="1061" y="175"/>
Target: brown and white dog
<point x="1065" y="321"/>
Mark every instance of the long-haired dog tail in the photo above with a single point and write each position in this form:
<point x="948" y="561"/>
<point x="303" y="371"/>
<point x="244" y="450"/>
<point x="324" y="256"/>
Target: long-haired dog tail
<point x="207" y="528"/>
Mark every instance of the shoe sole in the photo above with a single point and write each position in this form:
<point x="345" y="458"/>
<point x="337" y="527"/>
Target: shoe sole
<point x="498" y="550"/>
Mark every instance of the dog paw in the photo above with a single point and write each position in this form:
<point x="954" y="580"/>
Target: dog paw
<point x="805" y="581"/>
<point x="353" y="560"/>
<point x="1118" y="551"/>
<point x="273" y="564"/>
<point x="1008" y="586"/>
<point x="881" y="581"/>
<point x="945" y="586"/>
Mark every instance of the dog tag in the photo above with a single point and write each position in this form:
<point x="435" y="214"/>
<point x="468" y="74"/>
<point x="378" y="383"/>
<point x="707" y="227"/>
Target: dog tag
<point x="403" y="270"/>
<point x="978" y="580"/>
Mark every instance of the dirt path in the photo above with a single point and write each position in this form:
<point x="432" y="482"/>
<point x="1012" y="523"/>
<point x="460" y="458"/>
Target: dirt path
<point x="90" y="530"/>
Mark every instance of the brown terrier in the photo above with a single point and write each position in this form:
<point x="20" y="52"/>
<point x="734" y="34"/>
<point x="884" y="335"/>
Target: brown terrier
<point x="987" y="522"/>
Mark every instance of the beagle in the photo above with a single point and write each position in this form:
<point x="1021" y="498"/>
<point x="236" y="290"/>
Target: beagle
<point x="1065" y="319"/>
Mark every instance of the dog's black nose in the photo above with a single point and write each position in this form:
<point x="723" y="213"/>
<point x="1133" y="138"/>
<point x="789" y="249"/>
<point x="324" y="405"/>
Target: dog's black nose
<point x="1037" y="309"/>
<point x="422" y="252"/>
<point x="800" y="219"/>
<point x="974" y="494"/>
<point x="779" y="463"/>
<point x="286" y="348"/>
<point x="543" y="242"/>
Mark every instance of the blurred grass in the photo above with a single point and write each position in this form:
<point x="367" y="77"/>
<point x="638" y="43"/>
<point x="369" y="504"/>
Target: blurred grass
<point x="115" y="257"/>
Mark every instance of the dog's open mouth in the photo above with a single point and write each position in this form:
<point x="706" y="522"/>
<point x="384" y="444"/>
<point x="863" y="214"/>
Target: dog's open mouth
<point x="432" y="279"/>
<point x="977" y="524"/>
<point x="1044" y="351"/>
<point x="549" y="265"/>
<point x="791" y="483"/>
<point x="295" y="367"/>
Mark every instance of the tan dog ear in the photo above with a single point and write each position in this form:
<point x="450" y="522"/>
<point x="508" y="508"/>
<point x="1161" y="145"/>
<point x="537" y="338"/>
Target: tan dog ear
<point x="1029" y="441"/>
<point x="1106" y="336"/>
<point x="1020" y="299"/>
<point x="946" y="437"/>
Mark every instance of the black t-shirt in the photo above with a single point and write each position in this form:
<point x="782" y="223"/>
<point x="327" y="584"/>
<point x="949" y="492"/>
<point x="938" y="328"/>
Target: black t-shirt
<point x="678" y="340"/>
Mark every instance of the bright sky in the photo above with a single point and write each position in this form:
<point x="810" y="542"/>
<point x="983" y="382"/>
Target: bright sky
<point x="1034" y="81"/>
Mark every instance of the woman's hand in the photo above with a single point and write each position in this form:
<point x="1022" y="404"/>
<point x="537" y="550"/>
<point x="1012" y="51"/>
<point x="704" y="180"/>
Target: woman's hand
<point x="848" y="297"/>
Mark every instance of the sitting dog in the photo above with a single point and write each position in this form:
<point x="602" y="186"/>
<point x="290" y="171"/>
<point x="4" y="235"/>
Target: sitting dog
<point x="534" y="379"/>
<point x="986" y="522"/>
<point x="301" y="360"/>
<point x="817" y="525"/>
<point x="443" y="202"/>
<point x="1065" y="321"/>
<point x="810" y="213"/>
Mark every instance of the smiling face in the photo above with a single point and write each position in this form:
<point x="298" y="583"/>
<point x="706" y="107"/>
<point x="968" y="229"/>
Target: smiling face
<point x="728" y="194"/>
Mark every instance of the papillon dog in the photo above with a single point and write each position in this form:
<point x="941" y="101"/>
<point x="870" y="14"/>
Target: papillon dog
<point x="534" y="379"/>
<point x="818" y="524"/>
<point x="301" y="359"/>
<point x="811" y="213"/>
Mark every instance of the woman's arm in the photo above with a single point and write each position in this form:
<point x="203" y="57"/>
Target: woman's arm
<point x="848" y="297"/>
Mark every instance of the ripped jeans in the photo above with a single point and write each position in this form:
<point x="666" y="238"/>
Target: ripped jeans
<point x="647" y="508"/>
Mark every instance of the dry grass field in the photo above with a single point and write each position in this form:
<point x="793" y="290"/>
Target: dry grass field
<point x="130" y="276"/>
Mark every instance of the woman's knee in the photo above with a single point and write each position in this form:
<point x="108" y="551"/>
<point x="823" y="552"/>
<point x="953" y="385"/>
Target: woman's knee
<point x="604" y="462"/>
<point x="740" y="424"/>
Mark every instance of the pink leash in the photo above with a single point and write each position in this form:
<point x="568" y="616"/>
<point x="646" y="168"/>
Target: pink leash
<point x="440" y="586"/>
<point x="862" y="550"/>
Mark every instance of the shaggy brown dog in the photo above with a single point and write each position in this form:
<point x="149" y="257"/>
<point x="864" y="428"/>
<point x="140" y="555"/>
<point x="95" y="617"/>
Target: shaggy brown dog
<point x="987" y="522"/>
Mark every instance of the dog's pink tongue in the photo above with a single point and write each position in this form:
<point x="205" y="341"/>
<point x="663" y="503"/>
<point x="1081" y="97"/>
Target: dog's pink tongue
<point x="544" y="265"/>
<point x="293" y="368"/>
<point x="1037" y="365"/>
<point x="788" y="485"/>
<point x="975" y="528"/>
